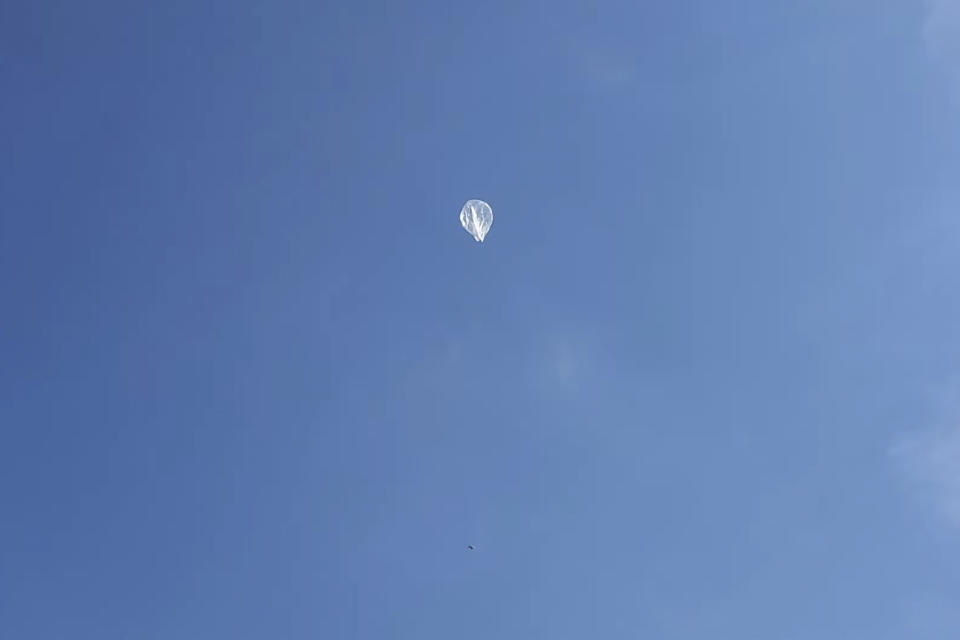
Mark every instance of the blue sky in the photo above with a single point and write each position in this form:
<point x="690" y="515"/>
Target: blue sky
<point x="701" y="380"/>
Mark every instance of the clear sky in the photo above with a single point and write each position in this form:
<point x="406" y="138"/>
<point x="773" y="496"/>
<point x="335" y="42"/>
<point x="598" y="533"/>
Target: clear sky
<point x="702" y="379"/>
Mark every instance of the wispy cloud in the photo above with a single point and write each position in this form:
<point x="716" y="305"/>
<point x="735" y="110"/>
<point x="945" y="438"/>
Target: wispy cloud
<point x="564" y="360"/>
<point x="941" y="34"/>
<point x="604" y="68"/>
<point x="941" y="27"/>
<point x="931" y="615"/>
<point x="930" y="461"/>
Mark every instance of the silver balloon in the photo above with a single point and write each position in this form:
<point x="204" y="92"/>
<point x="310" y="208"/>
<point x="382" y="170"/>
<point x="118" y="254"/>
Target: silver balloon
<point x="476" y="217"/>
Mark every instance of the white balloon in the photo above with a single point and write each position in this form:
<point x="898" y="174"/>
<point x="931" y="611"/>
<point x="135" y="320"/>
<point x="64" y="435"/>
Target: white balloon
<point x="476" y="217"/>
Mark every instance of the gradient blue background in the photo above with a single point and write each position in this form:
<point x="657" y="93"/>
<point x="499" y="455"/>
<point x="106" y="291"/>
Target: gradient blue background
<point x="256" y="382"/>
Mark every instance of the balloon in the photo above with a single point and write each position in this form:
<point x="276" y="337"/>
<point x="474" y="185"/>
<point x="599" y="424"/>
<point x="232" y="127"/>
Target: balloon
<point x="476" y="217"/>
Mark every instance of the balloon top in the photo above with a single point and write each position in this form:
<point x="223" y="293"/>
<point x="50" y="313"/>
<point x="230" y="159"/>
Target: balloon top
<point x="476" y="217"/>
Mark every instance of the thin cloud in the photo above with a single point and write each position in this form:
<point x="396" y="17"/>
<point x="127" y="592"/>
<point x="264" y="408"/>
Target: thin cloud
<point x="930" y="461"/>
<point x="605" y="68"/>
<point x="565" y="363"/>
<point x="564" y="360"/>
<point x="929" y="616"/>
<point x="941" y="35"/>
<point x="941" y="28"/>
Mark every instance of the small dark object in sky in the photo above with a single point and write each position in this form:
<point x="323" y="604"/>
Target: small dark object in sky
<point x="470" y="547"/>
